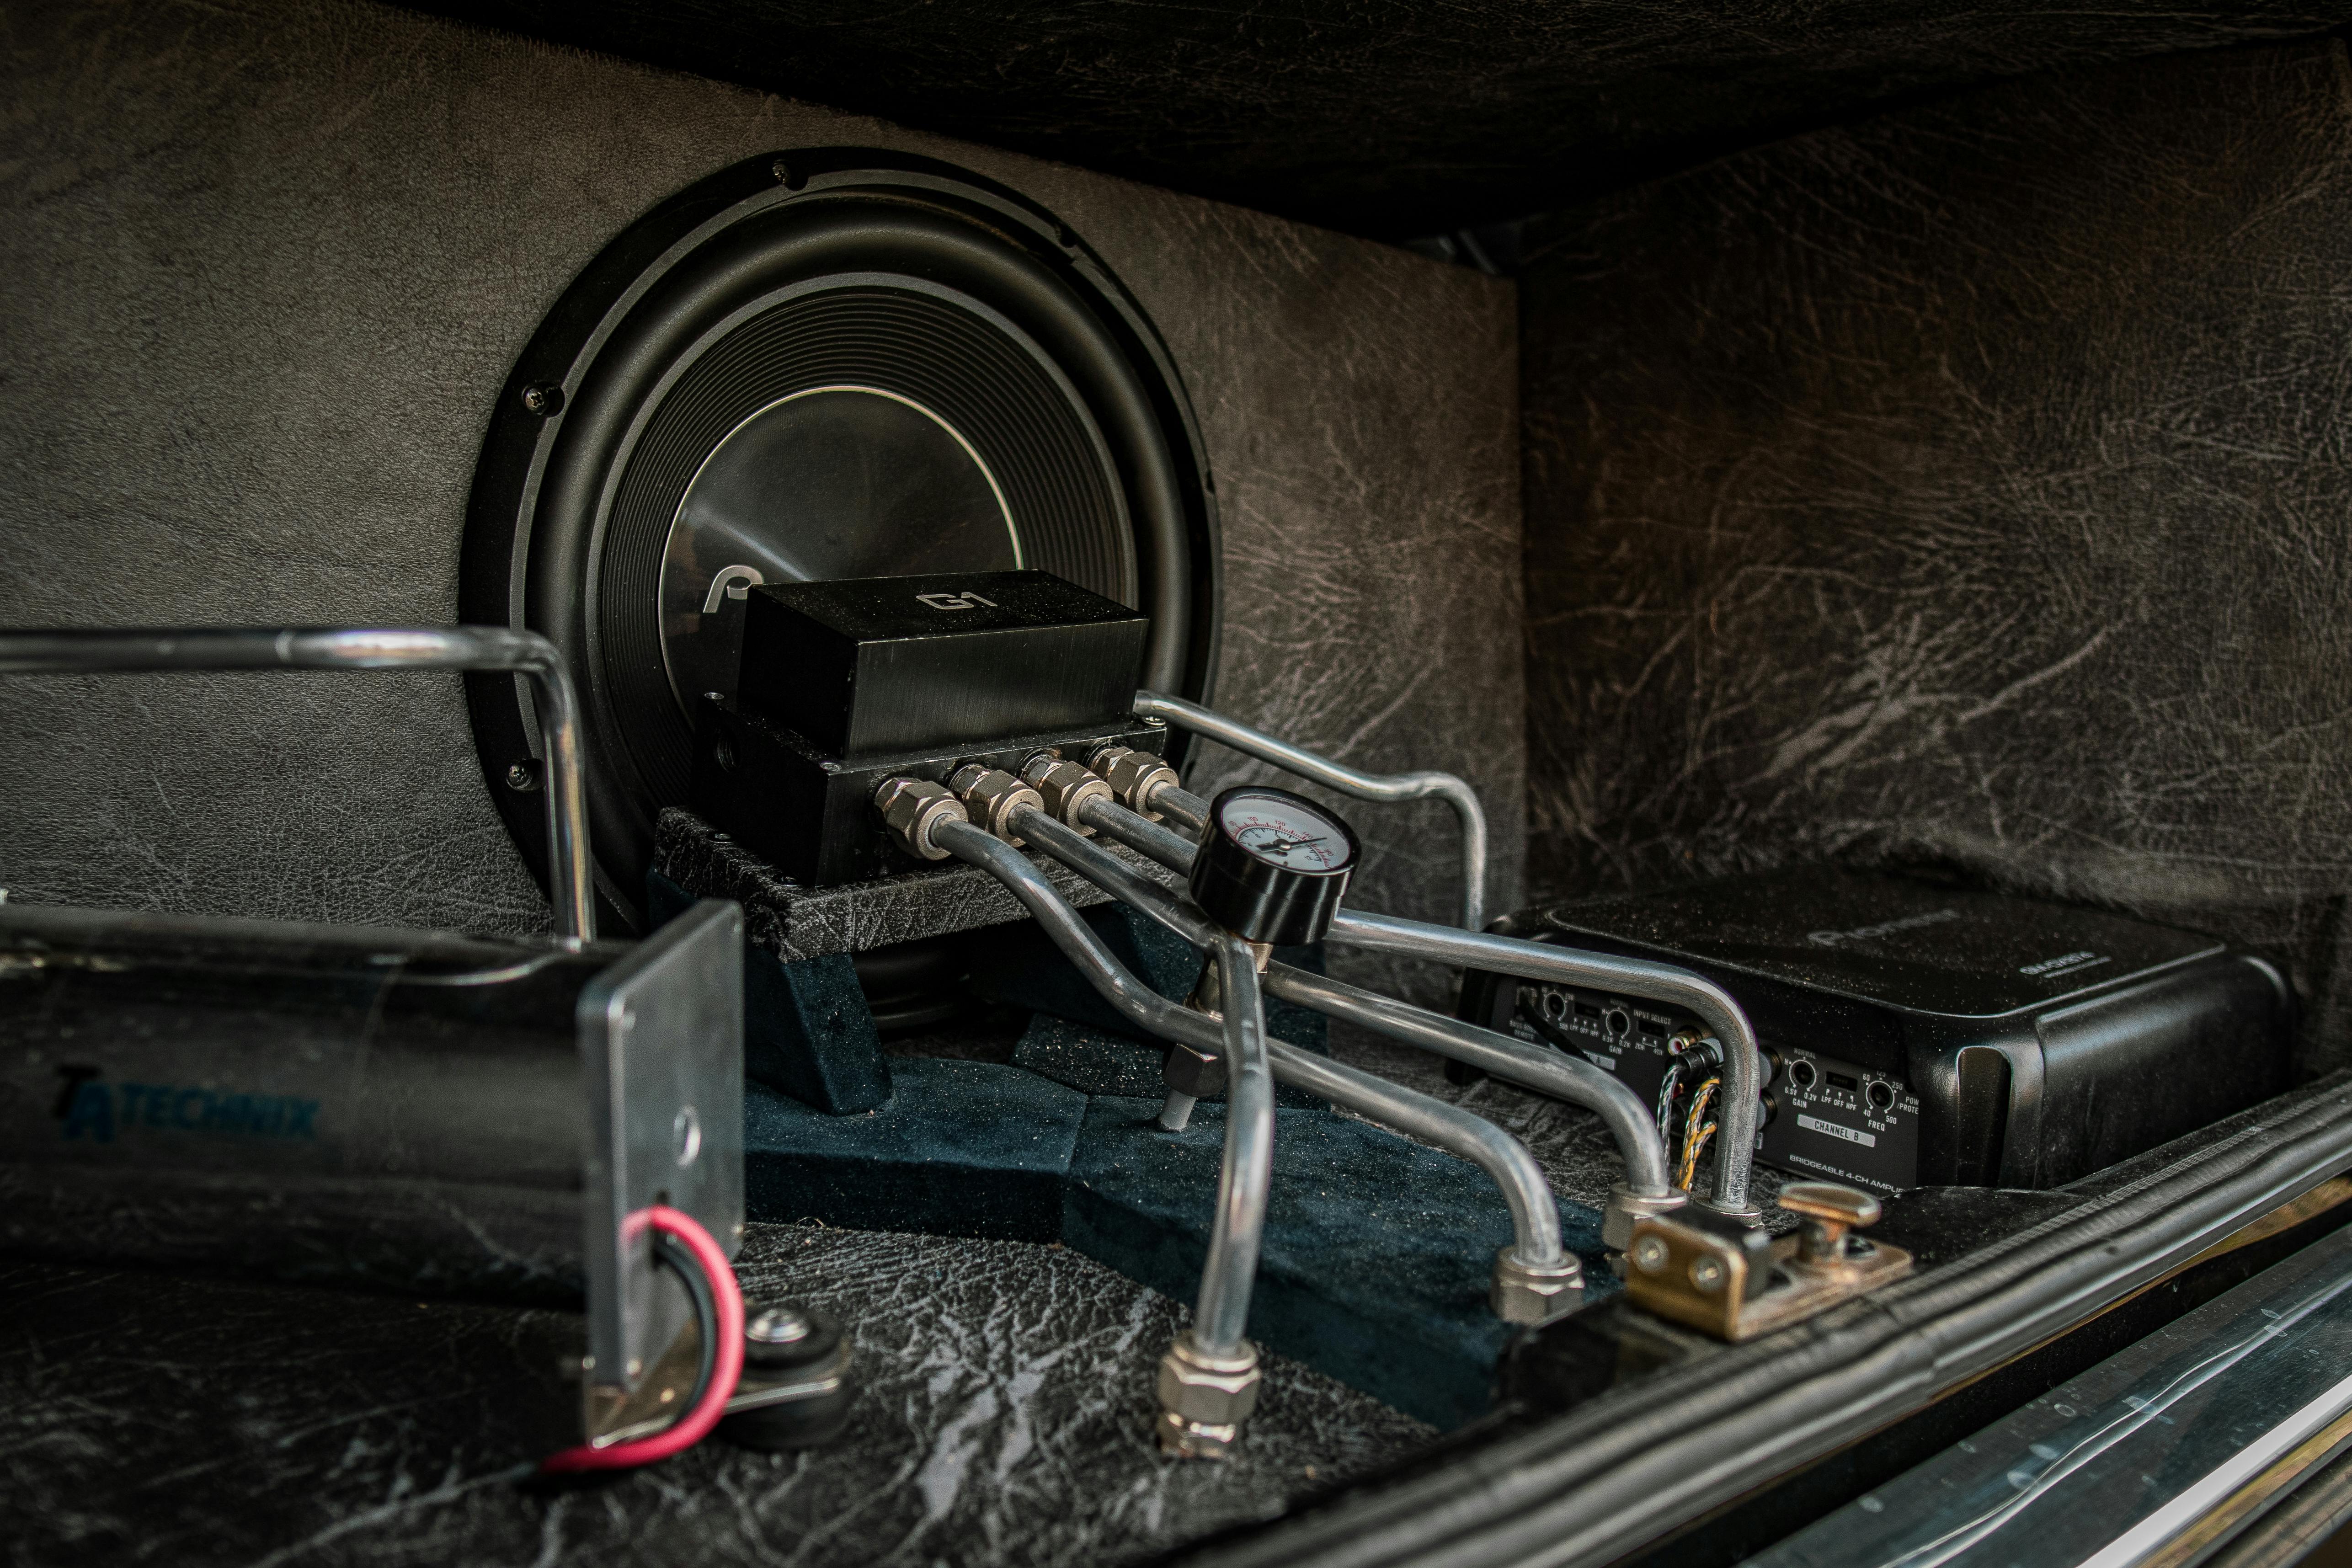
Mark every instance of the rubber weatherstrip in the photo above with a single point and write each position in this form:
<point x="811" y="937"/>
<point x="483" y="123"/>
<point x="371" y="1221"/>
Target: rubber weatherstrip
<point x="1625" y="1468"/>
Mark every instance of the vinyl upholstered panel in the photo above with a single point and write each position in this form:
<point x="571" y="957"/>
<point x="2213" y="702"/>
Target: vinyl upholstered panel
<point x="1389" y="119"/>
<point x="1966" y="487"/>
<point x="263" y="269"/>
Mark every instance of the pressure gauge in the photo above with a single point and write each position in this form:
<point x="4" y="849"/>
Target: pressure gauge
<point x="1273" y="865"/>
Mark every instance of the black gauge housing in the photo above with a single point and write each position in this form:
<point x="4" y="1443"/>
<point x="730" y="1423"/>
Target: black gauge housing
<point x="1257" y="899"/>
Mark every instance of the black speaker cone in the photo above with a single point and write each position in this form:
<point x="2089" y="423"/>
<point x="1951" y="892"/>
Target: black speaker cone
<point x="881" y="370"/>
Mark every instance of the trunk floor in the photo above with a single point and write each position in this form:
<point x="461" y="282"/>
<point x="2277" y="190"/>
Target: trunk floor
<point x="1003" y="1417"/>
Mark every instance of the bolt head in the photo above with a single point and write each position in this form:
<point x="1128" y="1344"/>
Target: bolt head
<point x="1831" y="1201"/>
<point x="1707" y="1274"/>
<point x="1650" y="1254"/>
<point x="522" y="777"/>
<point x="542" y="398"/>
<point x="780" y="1326"/>
<point x="1193" y="1072"/>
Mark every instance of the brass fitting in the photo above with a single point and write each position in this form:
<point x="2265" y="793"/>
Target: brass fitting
<point x="1626" y="1207"/>
<point x="912" y="808"/>
<point x="1204" y="1398"/>
<point x="992" y="796"/>
<point x="1826" y="1211"/>
<point x="1064" y="787"/>
<point x="1530" y="1293"/>
<point x="1135" y="777"/>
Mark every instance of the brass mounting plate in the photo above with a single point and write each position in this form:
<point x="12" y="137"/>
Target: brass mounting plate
<point x="1709" y="1282"/>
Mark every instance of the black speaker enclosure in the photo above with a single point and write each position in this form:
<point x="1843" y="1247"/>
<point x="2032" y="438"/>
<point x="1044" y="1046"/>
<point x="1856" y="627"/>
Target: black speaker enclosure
<point x="786" y="272"/>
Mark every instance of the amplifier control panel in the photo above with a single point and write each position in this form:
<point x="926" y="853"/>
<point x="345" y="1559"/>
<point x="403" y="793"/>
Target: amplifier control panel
<point x="1821" y="1115"/>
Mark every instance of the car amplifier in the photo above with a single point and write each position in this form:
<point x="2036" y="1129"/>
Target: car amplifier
<point x="1919" y="1033"/>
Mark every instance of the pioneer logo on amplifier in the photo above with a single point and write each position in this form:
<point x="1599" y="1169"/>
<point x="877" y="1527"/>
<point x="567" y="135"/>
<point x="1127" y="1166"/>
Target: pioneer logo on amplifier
<point x="1885" y="928"/>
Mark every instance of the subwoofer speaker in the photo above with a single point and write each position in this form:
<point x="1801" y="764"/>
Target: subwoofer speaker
<point x="815" y="364"/>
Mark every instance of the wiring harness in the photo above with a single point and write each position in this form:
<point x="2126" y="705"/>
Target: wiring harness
<point x="684" y="1246"/>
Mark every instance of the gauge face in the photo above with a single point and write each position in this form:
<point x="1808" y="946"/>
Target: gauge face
<point x="1282" y="830"/>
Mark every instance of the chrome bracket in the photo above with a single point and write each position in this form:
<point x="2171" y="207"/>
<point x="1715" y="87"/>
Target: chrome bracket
<point x="661" y="1050"/>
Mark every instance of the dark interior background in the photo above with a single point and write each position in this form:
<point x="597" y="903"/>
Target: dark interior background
<point x="1387" y="119"/>
<point x="1968" y="486"/>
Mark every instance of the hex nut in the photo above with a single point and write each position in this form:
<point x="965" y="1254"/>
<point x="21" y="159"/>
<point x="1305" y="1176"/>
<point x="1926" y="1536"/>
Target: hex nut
<point x="1626" y="1207"/>
<point x="992" y="796"/>
<point x="1208" y="1390"/>
<point x="1194" y="1072"/>
<point x="1135" y="777"/>
<point x="1530" y="1294"/>
<point x="911" y="810"/>
<point x="1064" y="787"/>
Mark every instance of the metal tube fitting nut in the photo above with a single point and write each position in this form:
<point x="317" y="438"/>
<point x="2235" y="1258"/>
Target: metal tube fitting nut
<point x="992" y="796"/>
<point x="1135" y="777"/>
<point x="1531" y="1293"/>
<point x="1626" y="1207"/>
<point x="1204" y="1398"/>
<point x="1188" y="1070"/>
<point x="912" y="808"/>
<point x="1064" y="787"/>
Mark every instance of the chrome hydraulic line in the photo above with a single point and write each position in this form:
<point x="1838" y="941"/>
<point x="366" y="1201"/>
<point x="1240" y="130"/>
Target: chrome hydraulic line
<point x="1743" y="1067"/>
<point x="1209" y="1378"/>
<point x="1116" y="822"/>
<point x="1535" y="1220"/>
<point x="1350" y="781"/>
<point x="1742" y="1064"/>
<point x="1551" y="1072"/>
<point x="1182" y="808"/>
<point x="1119" y="879"/>
<point x="1536" y="1248"/>
<point x="1647" y="1185"/>
<point x="1221" y="1317"/>
<point x="570" y="886"/>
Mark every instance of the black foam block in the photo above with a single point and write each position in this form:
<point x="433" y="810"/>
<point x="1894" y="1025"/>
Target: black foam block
<point x="962" y="1148"/>
<point x="807" y="1029"/>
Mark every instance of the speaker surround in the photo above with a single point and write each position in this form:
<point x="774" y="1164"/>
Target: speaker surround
<point x="815" y="364"/>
